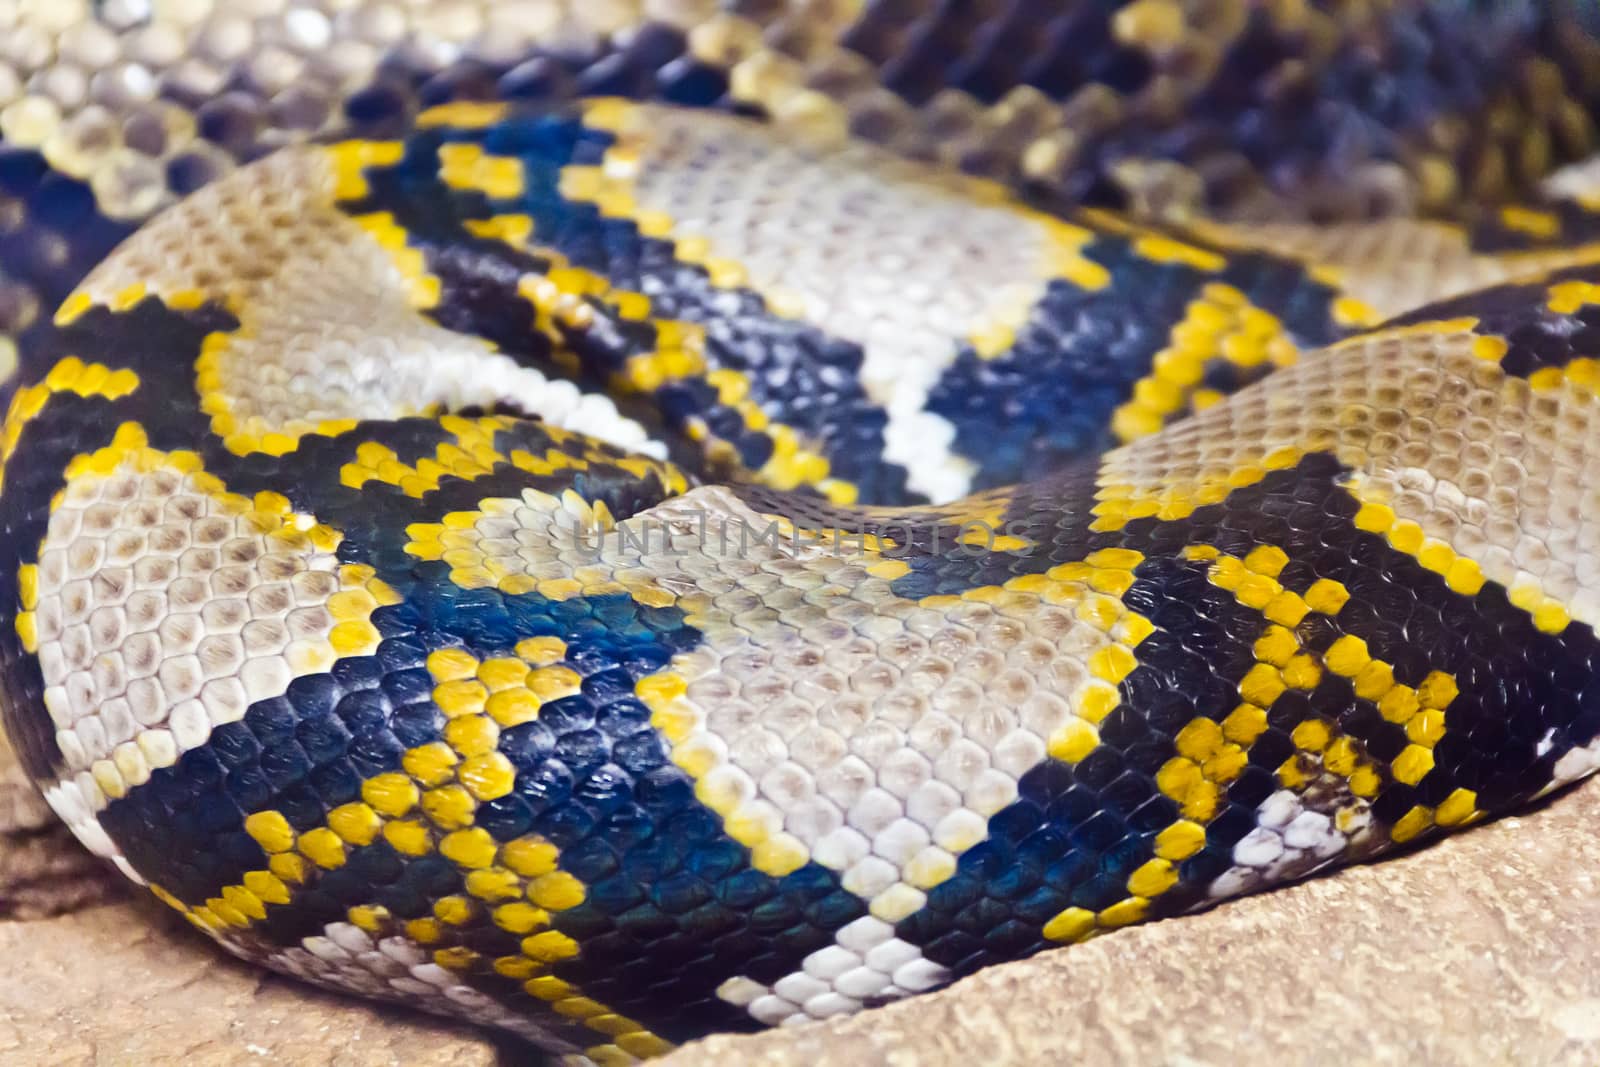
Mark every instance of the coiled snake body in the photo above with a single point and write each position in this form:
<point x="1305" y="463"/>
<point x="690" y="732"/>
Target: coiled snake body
<point x="614" y="571"/>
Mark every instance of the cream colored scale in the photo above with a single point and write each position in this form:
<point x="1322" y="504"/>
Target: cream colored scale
<point x="1396" y="265"/>
<point x="909" y="262"/>
<point x="331" y="329"/>
<point x="1489" y="481"/>
<point x="163" y="605"/>
<point x="827" y="719"/>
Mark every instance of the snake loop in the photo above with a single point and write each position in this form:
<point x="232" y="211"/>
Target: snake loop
<point x="614" y="570"/>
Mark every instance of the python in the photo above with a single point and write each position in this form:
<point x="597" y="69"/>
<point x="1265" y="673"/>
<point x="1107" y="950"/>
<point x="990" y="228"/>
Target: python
<point x="1182" y="570"/>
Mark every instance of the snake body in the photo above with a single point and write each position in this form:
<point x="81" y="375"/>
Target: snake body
<point x="614" y="571"/>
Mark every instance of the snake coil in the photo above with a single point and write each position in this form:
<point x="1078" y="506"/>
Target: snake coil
<point x="615" y="569"/>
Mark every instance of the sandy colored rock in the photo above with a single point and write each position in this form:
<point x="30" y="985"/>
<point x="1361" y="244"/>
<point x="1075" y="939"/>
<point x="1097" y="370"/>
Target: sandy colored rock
<point x="124" y="984"/>
<point x="1478" y="950"/>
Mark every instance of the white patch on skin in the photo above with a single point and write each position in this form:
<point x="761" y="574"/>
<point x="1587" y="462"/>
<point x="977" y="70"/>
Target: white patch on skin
<point x="1279" y="809"/>
<point x="397" y="969"/>
<point x="77" y="801"/>
<point x="904" y="260"/>
<point x="1574" y="764"/>
<point x="1546" y="743"/>
<point x="866" y="961"/>
<point x="870" y="733"/>
<point x="327" y="328"/>
<point x="1289" y="841"/>
<point x="1312" y="831"/>
<point x="1258" y="848"/>
<point x="162" y="611"/>
<point x="1235" y="881"/>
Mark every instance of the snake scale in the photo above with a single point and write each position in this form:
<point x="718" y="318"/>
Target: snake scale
<point x="751" y="511"/>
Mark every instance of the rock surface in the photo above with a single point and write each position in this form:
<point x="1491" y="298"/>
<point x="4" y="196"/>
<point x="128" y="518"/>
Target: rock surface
<point x="120" y="984"/>
<point x="1475" y="951"/>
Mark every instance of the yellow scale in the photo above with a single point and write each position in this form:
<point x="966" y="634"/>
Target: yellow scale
<point x="429" y="806"/>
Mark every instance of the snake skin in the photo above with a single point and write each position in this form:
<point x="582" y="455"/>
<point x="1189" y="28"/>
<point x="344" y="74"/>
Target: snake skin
<point x="559" y="551"/>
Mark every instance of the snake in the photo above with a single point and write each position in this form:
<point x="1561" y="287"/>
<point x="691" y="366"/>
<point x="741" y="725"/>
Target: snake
<point x="638" y="547"/>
